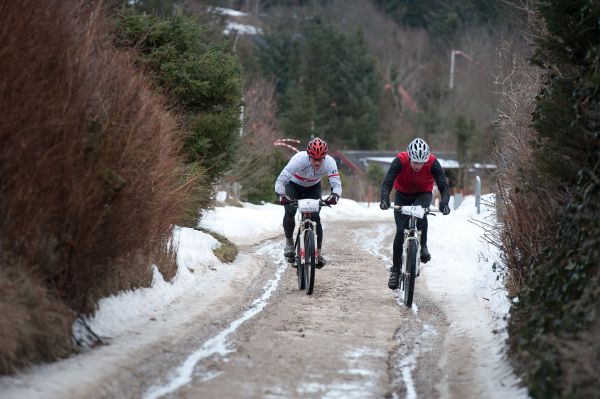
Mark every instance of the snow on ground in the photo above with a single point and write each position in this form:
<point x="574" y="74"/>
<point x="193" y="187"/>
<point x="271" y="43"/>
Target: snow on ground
<point x="252" y="224"/>
<point x="242" y="29"/>
<point x="118" y="313"/>
<point x="460" y="275"/>
<point x="230" y="12"/>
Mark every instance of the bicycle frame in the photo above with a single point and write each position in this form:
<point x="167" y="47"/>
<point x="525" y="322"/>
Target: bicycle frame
<point x="412" y="244"/>
<point x="305" y="210"/>
<point x="411" y="234"/>
<point x="306" y="262"/>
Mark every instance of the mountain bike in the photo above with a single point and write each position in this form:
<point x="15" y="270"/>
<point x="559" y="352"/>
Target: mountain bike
<point x="411" y="250"/>
<point x="306" y="252"/>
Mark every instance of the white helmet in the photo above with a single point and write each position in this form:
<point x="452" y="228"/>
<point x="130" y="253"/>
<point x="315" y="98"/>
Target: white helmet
<point x="418" y="150"/>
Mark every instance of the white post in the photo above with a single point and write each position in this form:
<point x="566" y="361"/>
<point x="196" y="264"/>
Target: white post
<point x="478" y="194"/>
<point x="458" y="198"/>
<point x="452" y="54"/>
<point x="242" y="119"/>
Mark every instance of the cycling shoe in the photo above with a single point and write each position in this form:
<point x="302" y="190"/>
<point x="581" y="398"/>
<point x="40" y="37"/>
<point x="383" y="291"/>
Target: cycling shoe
<point x="394" y="281"/>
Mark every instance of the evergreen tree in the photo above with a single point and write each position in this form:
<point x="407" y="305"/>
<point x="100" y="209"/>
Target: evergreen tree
<point x="200" y="77"/>
<point x="298" y="119"/>
<point x="278" y="58"/>
<point x="443" y="18"/>
<point x="433" y="93"/>
<point x="407" y="12"/>
<point x="328" y="84"/>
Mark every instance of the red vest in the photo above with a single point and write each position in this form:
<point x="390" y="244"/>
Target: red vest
<point x="410" y="182"/>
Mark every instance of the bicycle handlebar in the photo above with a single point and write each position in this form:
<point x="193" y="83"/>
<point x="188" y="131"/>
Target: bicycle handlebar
<point x="321" y="202"/>
<point x="397" y="208"/>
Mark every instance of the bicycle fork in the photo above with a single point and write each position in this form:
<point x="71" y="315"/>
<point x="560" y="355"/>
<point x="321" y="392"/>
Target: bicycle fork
<point x="411" y="234"/>
<point x="307" y="224"/>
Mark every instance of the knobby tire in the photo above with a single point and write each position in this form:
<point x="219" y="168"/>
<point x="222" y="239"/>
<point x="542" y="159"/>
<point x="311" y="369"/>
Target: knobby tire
<point x="411" y="272"/>
<point x="299" y="265"/>
<point x="309" y="261"/>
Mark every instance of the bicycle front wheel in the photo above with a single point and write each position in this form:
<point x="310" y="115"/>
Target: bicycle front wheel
<point x="411" y="273"/>
<point x="309" y="261"/>
<point x="299" y="266"/>
<point x="298" y="261"/>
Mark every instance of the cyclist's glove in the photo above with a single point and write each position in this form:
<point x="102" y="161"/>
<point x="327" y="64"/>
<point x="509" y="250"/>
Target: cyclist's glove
<point x="445" y="209"/>
<point x="332" y="199"/>
<point x="385" y="204"/>
<point x="284" y="200"/>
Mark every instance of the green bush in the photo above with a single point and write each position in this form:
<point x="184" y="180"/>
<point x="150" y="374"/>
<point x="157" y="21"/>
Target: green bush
<point x="375" y="174"/>
<point x="263" y="187"/>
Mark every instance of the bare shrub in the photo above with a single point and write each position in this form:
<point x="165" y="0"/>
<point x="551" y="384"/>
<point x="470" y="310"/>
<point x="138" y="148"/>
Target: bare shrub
<point x="524" y="199"/>
<point x="522" y="234"/>
<point x="358" y="187"/>
<point x="256" y="164"/>
<point x="89" y="171"/>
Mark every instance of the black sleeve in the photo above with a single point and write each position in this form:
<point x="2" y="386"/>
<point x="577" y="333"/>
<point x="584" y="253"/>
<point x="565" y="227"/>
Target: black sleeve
<point x="390" y="176"/>
<point x="440" y="179"/>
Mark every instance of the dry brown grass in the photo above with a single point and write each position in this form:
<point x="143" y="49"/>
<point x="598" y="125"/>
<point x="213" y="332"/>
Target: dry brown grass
<point x="89" y="174"/>
<point x="33" y="325"/>
<point x="164" y="257"/>
<point x="523" y="199"/>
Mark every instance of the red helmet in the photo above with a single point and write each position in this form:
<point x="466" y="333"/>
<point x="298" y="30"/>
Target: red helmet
<point x="317" y="148"/>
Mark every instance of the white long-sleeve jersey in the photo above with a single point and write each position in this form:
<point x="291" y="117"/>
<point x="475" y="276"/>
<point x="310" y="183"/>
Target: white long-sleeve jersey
<point x="299" y="171"/>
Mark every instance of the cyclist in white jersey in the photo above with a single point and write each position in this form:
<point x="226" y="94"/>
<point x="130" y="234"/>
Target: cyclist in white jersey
<point x="300" y="179"/>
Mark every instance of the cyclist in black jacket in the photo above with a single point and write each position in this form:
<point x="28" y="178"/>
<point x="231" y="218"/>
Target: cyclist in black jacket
<point x="412" y="174"/>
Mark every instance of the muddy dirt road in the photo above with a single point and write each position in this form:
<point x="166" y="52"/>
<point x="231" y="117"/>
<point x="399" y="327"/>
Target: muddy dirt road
<point x="351" y="339"/>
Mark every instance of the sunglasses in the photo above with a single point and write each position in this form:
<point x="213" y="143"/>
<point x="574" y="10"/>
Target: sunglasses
<point x="317" y="159"/>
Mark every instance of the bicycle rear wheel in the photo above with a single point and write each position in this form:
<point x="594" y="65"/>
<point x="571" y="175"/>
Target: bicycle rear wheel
<point x="309" y="261"/>
<point x="411" y="272"/>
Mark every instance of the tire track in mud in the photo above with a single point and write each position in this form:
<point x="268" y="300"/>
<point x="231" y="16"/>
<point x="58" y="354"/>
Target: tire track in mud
<point x="412" y="365"/>
<point x="219" y="345"/>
